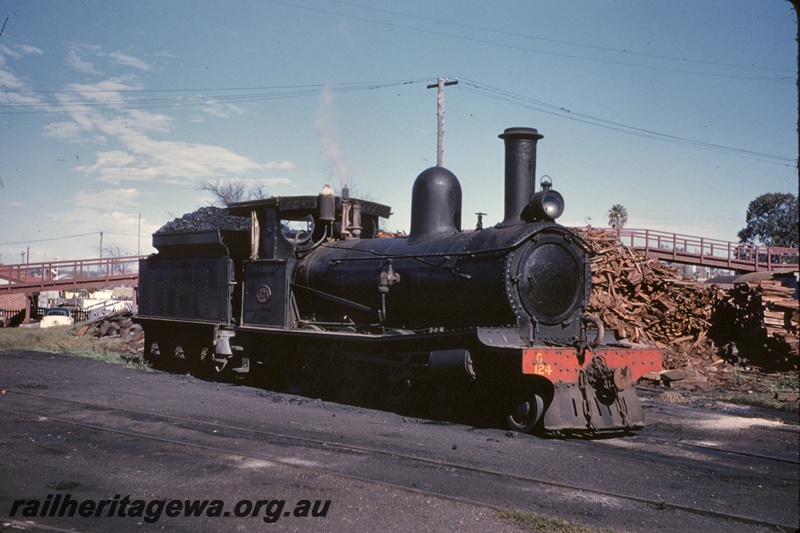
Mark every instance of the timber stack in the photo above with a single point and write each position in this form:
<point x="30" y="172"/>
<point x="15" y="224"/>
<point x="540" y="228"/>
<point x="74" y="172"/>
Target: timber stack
<point x="118" y="324"/>
<point x="758" y="321"/>
<point x="645" y="301"/>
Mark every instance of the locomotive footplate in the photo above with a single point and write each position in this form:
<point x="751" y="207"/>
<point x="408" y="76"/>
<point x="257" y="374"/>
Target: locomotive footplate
<point x="593" y="390"/>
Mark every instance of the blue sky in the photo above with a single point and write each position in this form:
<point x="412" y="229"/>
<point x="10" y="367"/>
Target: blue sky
<point x="112" y="113"/>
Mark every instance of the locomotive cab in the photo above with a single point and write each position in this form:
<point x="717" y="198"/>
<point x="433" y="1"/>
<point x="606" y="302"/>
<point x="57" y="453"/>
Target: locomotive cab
<point x="285" y="228"/>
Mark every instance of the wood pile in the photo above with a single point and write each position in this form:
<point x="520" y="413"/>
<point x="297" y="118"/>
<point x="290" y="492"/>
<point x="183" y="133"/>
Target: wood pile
<point x="758" y="322"/>
<point x="117" y="324"/>
<point x="641" y="299"/>
<point x="644" y="301"/>
<point x="390" y="235"/>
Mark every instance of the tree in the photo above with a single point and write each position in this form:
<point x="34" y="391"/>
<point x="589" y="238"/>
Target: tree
<point x="115" y="252"/>
<point x="772" y="220"/>
<point x="238" y="190"/>
<point x="617" y="216"/>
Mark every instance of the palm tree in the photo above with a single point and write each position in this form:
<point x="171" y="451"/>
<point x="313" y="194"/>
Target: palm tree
<point x="617" y="216"/>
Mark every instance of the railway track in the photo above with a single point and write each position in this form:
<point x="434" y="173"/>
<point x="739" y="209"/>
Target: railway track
<point x="714" y="450"/>
<point x="489" y="483"/>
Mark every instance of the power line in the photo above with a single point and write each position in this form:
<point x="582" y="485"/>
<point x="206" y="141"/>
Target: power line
<point x="557" y="41"/>
<point x="344" y="86"/>
<point x="495" y="93"/>
<point x="254" y="94"/>
<point x="296" y="91"/>
<point x="785" y="79"/>
<point x="49" y="239"/>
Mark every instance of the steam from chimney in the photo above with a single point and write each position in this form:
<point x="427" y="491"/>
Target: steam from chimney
<point x="325" y="130"/>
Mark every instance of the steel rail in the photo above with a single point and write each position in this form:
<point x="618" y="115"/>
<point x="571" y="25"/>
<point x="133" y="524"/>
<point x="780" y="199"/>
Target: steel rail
<point x="326" y="445"/>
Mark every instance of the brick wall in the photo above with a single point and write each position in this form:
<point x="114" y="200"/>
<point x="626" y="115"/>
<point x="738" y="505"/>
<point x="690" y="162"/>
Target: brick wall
<point x="12" y="301"/>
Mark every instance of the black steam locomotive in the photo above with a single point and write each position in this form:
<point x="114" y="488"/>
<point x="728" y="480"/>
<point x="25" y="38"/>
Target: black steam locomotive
<point x="310" y="296"/>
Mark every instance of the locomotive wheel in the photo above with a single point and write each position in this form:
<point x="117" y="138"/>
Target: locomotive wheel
<point x="441" y="402"/>
<point x="394" y="388"/>
<point x="350" y="382"/>
<point x="199" y="356"/>
<point x="179" y="362"/>
<point x="526" y="414"/>
<point x="162" y="354"/>
<point x="152" y="353"/>
<point x="306" y="374"/>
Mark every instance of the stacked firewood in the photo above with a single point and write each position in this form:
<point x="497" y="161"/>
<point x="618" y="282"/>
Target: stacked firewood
<point x="758" y="321"/>
<point x="116" y="324"/>
<point x="643" y="300"/>
<point x="391" y="235"/>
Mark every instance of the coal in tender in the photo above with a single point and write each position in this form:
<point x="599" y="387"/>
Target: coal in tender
<point x="206" y="218"/>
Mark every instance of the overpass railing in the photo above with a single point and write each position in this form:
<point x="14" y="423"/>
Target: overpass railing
<point x="708" y="252"/>
<point x="61" y="275"/>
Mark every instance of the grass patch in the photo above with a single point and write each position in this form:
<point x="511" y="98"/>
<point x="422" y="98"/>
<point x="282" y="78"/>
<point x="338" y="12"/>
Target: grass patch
<point x="64" y="341"/>
<point x="763" y="401"/>
<point x="761" y="390"/>
<point x="546" y="524"/>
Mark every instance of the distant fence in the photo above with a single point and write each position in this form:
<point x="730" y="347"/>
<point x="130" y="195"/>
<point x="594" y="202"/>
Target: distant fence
<point x="11" y="317"/>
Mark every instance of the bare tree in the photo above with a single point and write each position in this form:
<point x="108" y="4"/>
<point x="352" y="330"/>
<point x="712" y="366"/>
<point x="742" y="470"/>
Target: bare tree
<point x="115" y="252"/>
<point x="227" y="192"/>
<point x="258" y="190"/>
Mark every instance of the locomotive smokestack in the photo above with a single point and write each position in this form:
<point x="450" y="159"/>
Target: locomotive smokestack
<point x="520" y="171"/>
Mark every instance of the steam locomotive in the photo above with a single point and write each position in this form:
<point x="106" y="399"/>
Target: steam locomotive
<point x="310" y="297"/>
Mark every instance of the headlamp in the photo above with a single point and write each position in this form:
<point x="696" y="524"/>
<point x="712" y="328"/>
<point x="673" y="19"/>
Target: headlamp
<point x="546" y="204"/>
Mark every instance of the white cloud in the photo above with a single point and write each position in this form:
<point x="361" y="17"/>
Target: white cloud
<point x="107" y="161"/>
<point x="17" y="51"/>
<point x="106" y="92"/>
<point x="276" y="181"/>
<point x="82" y="57"/>
<point x="105" y="111"/>
<point x="11" y="85"/>
<point x="77" y="62"/>
<point x="119" y="227"/>
<point x="64" y="131"/>
<point x="10" y="82"/>
<point x="177" y="162"/>
<point x="28" y="49"/>
<point x="280" y="165"/>
<point x="149" y="121"/>
<point x="106" y="199"/>
<point x="129" y="61"/>
<point x="221" y="110"/>
<point x="6" y="51"/>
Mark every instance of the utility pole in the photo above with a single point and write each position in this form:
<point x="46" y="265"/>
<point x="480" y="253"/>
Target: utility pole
<point x="440" y="84"/>
<point x="101" y="245"/>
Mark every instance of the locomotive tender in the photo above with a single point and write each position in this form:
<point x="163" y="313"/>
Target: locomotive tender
<point x="311" y="295"/>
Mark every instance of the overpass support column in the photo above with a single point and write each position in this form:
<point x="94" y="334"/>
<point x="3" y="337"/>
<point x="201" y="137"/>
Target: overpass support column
<point x="27" y="319"/>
